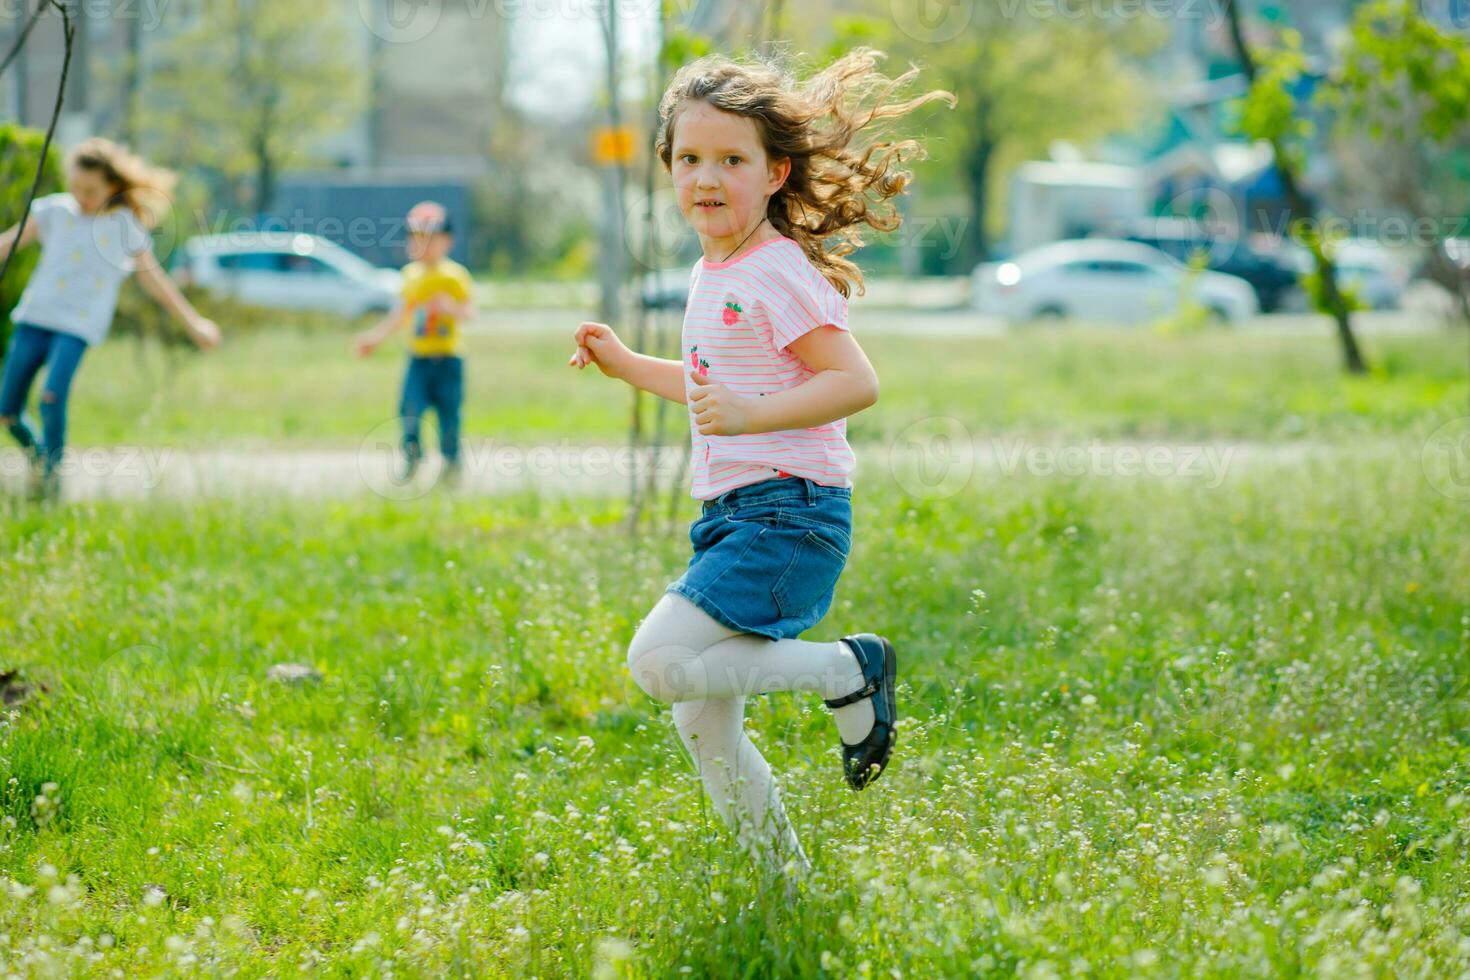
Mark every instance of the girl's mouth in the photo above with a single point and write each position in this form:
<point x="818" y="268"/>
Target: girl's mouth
<point x="709" y="205"/>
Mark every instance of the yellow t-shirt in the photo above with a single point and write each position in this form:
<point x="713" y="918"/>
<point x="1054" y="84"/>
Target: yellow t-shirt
<point x="433" y="334"/>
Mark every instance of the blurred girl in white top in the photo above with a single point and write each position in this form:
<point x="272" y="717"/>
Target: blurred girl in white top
<point x="92" y="235"/>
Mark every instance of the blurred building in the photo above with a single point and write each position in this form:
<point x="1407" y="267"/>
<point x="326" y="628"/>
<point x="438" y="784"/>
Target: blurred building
<point x="436" y="78"/>
<point x="435" y="73"/>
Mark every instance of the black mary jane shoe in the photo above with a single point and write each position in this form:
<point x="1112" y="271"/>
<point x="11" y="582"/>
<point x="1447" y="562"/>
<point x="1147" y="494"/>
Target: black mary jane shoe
<point x="864" y="762"/>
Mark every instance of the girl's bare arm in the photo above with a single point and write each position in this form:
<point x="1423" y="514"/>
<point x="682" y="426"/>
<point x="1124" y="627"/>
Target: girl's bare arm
<point x="157" y="284"/>
<point x="598" y="344"/>
<point x="8" y="236"/>
<point x="844" y="384"/>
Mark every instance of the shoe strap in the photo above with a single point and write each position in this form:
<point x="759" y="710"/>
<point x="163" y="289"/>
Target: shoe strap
<point x="866" y="691"/>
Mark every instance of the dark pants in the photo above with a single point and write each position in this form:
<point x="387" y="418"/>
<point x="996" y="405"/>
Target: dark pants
<point x="30" y="349"/>
<point x="437" y="383"/>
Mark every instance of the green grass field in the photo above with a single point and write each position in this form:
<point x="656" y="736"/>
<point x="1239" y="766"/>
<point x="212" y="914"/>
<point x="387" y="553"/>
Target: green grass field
<point x="1151" y="727"/>
<point x="305" y="389"/>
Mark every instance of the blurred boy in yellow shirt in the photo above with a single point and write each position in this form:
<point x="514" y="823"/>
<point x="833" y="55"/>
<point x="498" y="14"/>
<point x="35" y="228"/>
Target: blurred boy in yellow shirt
<point x="436" y="302"/>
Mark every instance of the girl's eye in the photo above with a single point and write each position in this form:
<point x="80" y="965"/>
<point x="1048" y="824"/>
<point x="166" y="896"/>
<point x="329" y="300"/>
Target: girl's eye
<point x="732" y="160"/>
<point x="687" y="158"/>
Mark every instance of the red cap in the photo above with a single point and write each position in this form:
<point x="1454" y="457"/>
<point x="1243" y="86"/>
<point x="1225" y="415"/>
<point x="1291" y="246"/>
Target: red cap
<point x="428" y="217"/>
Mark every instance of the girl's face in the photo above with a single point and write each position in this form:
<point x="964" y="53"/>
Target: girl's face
<point x="722" y="178"/>
<point x="90" y="188"/>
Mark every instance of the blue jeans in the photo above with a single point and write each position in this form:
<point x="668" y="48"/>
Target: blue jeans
<point x="767" y="556"/>
<point x="437" y="383"/>
<point x="30" y="349"/>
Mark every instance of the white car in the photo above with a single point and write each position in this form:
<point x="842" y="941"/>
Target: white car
<point x="1364" y="266"/>
<point x="1369" y="269"/>
<point x="1104" y="280"/>
<point x="288" y="271"/>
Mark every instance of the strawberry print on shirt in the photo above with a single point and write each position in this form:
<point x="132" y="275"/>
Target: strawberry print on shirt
<point x="741" y="319"/>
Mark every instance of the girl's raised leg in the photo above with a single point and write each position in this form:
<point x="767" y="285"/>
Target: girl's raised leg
<point x="66" y="356"/>
<point x="28" y="350"/>
<point x="669" y="663"/>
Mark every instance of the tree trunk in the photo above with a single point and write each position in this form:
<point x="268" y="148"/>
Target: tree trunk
<point x="1301" y="210"/>
<point x="978" y="152"/>
<point x="265" y="158"/>
<point x="265" y="174"/>
<point x="132" y="76"/>
<point x="1444" y="270"/>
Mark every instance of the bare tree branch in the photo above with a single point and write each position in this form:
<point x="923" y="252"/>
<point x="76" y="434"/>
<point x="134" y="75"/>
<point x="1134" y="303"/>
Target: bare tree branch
<point x="24" y="33"/>
<point x="68" y="32"/>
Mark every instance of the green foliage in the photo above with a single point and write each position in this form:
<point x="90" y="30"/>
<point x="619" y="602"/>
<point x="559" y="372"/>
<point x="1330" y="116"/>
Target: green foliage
<point x="682" y="46"/>
<point x="1190" y="316"/>
<point x="1321" y="248"/>
<point x="20" y="154"/>
<point x="247" y="85"/>
<point x="1268" y="111"/>
<point x="1403" y="76"/>
<point x="856" y="30"/>
<point x="1023" y="80"/>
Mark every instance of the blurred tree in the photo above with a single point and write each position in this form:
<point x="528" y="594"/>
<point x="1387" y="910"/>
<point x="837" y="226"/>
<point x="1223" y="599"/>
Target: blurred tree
<point x="1025" y="76"/>
<point x="20" y="158"/>
<point x="1407" y="83"/>
<point x="1269" y="113"/>
<point x="248" y="85"/>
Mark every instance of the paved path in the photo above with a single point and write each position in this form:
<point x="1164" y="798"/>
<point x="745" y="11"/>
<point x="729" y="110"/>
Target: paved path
<point x="933" y="459"/>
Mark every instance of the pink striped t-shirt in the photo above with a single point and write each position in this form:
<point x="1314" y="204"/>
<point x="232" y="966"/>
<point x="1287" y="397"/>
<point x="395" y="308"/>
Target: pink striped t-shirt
<point x="741" y="316"/>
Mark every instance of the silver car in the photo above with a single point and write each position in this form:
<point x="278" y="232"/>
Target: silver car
<point x="287" y="271"/>
<point x="1104" y="280"/>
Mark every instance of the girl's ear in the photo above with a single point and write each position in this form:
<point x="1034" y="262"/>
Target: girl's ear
<point x="779" y="171"/>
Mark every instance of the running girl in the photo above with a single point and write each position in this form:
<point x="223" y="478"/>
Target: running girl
<point x="772" y="177"/>
<point x="92" y="236"/>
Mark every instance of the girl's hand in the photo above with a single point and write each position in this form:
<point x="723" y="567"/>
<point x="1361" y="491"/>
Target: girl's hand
<point x="597" y="344"/>
<point x="205" y="333"/>
<point x="363" y="345"/>
<point x="718" y="411"/>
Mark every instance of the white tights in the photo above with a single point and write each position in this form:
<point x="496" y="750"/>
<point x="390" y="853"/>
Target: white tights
<point x="681" y="654"/>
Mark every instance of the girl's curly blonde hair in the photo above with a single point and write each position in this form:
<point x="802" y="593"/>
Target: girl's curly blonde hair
<point x="835" y="187"/>
<point x="141" y="188"/>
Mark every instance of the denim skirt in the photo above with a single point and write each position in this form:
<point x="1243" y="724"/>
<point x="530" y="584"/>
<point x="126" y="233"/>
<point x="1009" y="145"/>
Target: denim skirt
<point x="767" y="555"/>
